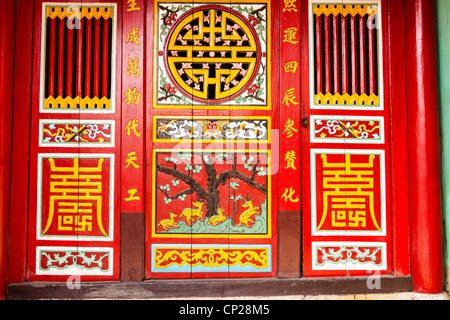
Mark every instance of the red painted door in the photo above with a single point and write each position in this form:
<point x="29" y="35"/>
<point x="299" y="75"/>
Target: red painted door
<point x="346" y="154"/>
<point x="253" y="135"/>
<point x="75" y="146"/>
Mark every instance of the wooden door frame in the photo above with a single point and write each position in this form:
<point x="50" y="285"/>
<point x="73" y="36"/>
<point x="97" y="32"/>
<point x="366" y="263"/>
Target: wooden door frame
<point x="395" y="80"/>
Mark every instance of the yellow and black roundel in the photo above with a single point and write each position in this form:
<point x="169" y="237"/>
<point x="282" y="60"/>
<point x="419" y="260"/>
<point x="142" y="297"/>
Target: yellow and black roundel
<point x="212" y="54"/>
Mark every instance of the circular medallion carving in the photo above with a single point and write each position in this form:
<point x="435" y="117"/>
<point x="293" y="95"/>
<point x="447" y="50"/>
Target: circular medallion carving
<point x="212" y="54"/>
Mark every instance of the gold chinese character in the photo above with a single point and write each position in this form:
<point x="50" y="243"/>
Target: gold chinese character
<point x="290" y="66"/>
<point x="289" y="194"/>
<point x="289" y="97"/>
<point x="133" y="67"/>
<point x="132" y="6"/>
<point x="75" y="197"/>
<point x="289" y="128"/>
<point x="81" y="222"/>
<point x="290" y="35"/>
<point x="289" y="5"/>
<point x="348" y="194"/>
<point x="132" y="196"/>
<point x="131" y="157"/>
<point x="131" y="96"/>
<point x="290" y="158"/>
<point x="132" y="124"/>
<point x="133" y="36"/>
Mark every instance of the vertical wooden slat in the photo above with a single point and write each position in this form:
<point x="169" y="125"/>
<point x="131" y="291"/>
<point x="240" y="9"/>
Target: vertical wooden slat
<point x="362" y="55"/>
<point x="398" y="143"/>
<point x="318" y="55"/>
<point x="79" y="70"/>
<point x="336" y="64"/>
<point x="61" y="56"/>
<point x="7" y="23"/>
<point x="25" y="35"/>
<point x="105" y="58"/>
<point x="51" y="60"/>
<point x="371" y="51"/>
<point x="88" y="58"/>
<point x="97" y="41"/>
<point x="344" y="54"/>
<point x="423" y="158"/>
<point x="353" y="54"/>
<point x="327" y="49"/>
<point x="69" y="85"/>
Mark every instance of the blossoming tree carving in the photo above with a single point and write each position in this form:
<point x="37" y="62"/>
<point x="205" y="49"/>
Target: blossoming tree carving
<point x="206" y="182"/>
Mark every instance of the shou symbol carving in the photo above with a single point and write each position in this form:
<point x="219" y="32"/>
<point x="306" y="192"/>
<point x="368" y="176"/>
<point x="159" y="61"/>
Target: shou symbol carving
<point x="351" y="204"/>
<point x="212" y="54"/>
<point x="349" y="192"/>
<point x="347" y="61"/>
<point x="72" y="203"/>
<point x="75" y="197"/>
<point x="78" y="65"/>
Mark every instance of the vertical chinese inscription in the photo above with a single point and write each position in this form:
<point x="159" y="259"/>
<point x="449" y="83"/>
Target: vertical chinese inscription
<point x="133" y="107"/>
<point x="289" y="175"/>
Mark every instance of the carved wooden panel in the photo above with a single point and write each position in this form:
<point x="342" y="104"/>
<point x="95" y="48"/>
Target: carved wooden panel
<point x="74" y="173"/>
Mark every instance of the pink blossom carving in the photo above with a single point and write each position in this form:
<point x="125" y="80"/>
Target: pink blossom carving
<point x="237" y="65"/>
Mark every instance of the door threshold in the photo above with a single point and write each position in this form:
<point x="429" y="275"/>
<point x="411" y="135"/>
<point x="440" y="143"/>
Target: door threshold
<point x="208" y="288"/>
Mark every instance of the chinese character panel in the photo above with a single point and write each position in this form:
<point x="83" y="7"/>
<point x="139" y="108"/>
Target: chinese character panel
<point x="73" y="223"/>
<point x="348" y="192"/>
<point x="75" y="195"/>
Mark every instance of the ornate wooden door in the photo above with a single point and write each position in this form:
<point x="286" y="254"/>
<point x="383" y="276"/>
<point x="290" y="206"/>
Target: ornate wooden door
<point x="347" y="229"/>
<point x="251" y="135"/>
<point x="75" y="146"/>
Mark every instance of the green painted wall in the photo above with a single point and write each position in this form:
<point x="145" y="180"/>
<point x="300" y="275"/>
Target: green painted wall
<point x="443" y="20"/>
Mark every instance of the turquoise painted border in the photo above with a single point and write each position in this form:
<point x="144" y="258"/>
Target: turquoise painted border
<point x="443" y="31"/>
